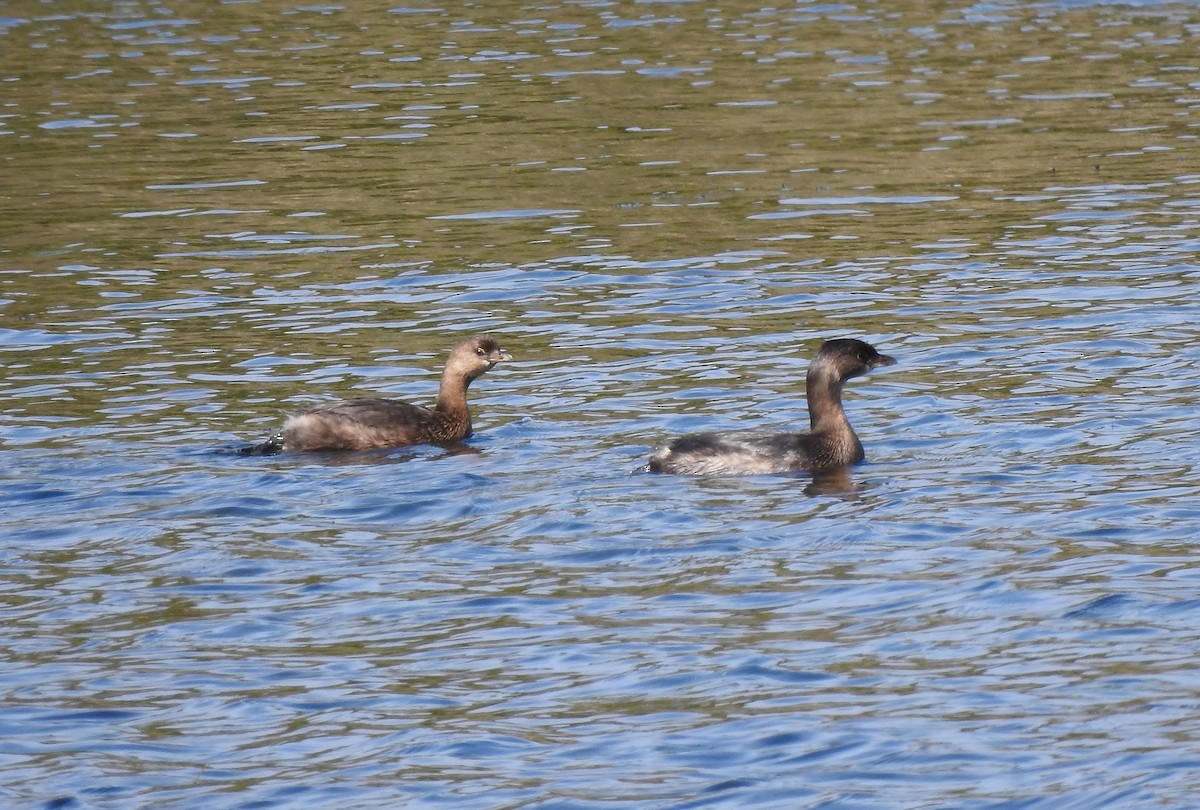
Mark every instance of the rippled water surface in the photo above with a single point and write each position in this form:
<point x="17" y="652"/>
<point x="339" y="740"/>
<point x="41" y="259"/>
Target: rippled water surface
<point x="212" y="214"/>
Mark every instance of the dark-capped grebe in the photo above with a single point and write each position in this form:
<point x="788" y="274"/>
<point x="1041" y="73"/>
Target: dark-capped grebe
<point x="831" y="442"/>
<point x="367" y="424"/>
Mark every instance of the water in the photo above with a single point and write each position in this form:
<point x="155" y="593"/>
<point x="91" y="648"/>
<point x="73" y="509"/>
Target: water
<point x="210" y="216"/>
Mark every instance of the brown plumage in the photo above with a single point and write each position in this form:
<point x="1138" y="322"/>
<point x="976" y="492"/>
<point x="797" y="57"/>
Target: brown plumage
<point x="829" y="444"/>
<point x="371" y="423"/>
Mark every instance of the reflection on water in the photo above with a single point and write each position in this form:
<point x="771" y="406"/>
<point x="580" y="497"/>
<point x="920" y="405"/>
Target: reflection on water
<point x="213" y="216"/>
<point x="837" y="481"/>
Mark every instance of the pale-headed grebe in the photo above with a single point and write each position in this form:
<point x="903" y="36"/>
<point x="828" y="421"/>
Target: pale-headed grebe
<point x="371" y="423"/>
<point x="829" y="444"/>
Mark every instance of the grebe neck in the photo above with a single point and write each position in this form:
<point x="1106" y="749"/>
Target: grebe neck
<point x="825" y="411"/>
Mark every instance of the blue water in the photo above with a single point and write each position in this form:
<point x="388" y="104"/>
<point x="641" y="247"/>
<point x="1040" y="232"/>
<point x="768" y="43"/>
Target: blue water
<point x="1001" y="612"/>
<point x="213" y="217"/>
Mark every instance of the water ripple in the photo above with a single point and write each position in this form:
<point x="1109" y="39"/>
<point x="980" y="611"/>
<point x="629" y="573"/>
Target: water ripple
<point x="216" y="220"/>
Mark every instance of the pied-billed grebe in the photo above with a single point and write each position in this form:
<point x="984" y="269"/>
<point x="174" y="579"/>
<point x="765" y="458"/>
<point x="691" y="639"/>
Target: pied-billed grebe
<point x="831" y="443"/>
<point x="370" y="423"/>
